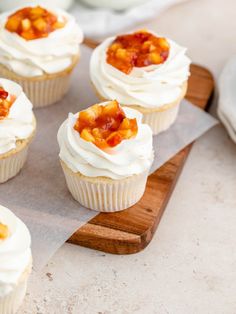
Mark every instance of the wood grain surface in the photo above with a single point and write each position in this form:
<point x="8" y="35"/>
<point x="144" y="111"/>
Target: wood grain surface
<point x="131" y="230"/>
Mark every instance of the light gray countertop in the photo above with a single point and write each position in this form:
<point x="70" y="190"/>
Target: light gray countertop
<point x="190" y="266"/>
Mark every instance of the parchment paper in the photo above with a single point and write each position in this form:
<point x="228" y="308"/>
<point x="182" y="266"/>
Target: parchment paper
<point x="39" y="196"/>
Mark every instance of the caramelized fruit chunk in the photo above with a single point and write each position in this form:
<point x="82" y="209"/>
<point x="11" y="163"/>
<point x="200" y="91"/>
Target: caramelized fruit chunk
<point x="139" y="49"/>
<point x="6" y="102"/>
<point x="33" y="23"/>
<point x="4" y="232"/>
<point x="105" y="126"/>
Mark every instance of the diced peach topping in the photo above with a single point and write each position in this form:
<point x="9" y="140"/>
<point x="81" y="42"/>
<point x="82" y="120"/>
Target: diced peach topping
<point x="33" y="23"/>
<point x="139" y="49"/>
<point x="105" y="126"/>
<point x="6" y="102"/>
<point x="4" y="232"/>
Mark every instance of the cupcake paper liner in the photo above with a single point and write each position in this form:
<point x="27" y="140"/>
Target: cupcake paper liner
<point x="44" y="90"/>
<point x="104" y="194"/>
<point x="11" y="165"/>
<point x="160" y="121"/>
<point x="13" y="161"/>
<point x="12" y="301"/>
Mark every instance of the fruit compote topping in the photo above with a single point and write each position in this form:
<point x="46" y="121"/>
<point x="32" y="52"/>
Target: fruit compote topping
<point x="6" y="101"/>
<point x="33" y="23"/>
<point x="139" y="49"/>
<point x="105" y="126"/>
<point x="4" y="232"/>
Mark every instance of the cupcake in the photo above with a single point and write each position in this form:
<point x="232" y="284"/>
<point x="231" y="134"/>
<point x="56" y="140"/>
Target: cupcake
<point x="39" y="48"/>
<point x="17" y="128"/>
<point x="142" y="71"/>
<point x="16" y="261"/>
<point x="106" y="153"/>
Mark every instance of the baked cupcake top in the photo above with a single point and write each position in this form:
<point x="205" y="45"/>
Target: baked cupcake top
<point x="106" y="140"/>
<point x="36" y="41"/>
<point x="17" y="120"/>
<point x="140" y="69"/>
<point x="15" y="252"/>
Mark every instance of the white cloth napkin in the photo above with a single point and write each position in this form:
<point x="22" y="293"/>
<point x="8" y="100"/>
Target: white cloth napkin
<point x="227" y="99"/>
<point x="99" y="23"/>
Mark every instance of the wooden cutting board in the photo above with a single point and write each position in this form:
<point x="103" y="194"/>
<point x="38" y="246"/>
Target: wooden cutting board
<point x="131" y="230"/>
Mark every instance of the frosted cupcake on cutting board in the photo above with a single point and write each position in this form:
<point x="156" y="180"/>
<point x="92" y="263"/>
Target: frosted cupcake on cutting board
<point x="15" y="261"/>
<point x="39" y="48"/>
<point x="17" y="129"/>
<point x="143" y="71"/>
<point x="106" y="153"/>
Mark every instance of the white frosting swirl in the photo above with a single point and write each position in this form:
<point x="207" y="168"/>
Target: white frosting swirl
<point x="130" y="157"/>
<point x="15" y="252"/>
<point x="19" y="124"/>
<point x="150" y="87"/>
<point x="52" y="54"/>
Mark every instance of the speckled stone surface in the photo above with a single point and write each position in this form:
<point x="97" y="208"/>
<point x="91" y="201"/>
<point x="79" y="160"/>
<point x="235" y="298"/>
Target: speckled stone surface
<point x="190" y="266"/>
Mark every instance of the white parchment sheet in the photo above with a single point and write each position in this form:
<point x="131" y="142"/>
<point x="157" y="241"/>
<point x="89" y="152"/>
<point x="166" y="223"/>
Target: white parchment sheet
<point x="39" y="196"/>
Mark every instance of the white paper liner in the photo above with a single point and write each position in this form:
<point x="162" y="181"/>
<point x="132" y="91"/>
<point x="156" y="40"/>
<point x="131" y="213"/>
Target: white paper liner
<point x="105" y="195"/>
<point x="39" y="195"/>
<point x="11" y="166"/>
<point x="160" y="121"/>
<point x="12" y="302"/>
<point x="44" y="92"/>
<point x="47" y="92"/>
